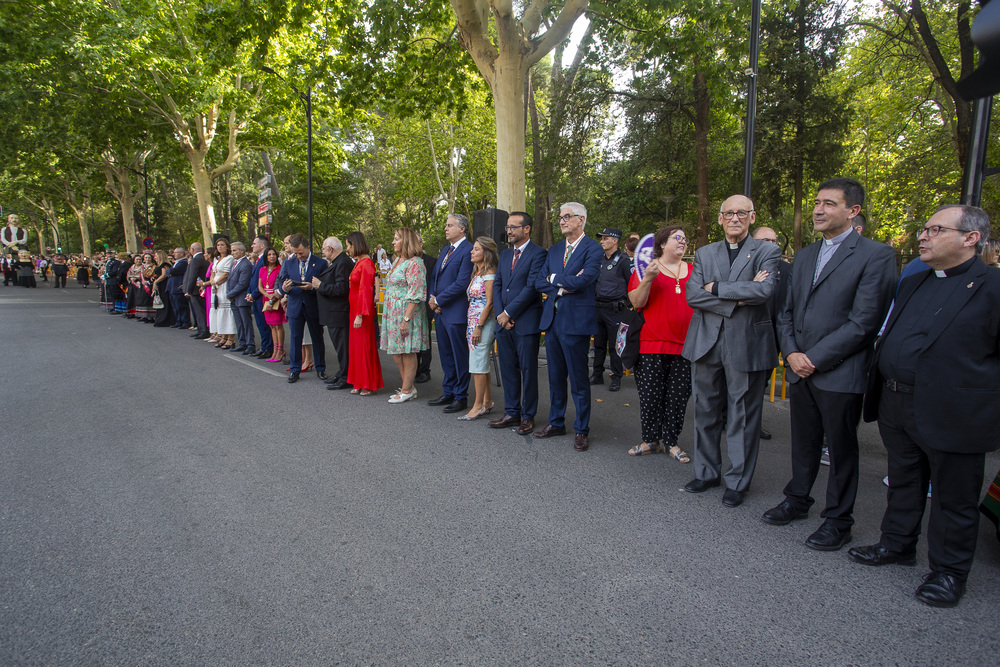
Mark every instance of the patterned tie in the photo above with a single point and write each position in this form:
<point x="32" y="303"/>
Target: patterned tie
<point x="302" y="270"/>
<point x="517" y="253"/>
<point x="447" y="255"/>
<point x="569" y="251"/>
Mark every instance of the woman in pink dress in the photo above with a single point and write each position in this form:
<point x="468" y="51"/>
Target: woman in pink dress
<point x="275" y="318"/>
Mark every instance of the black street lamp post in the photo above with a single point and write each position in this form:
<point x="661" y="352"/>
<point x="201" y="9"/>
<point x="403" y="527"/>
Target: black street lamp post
<point x="307" y="100"/>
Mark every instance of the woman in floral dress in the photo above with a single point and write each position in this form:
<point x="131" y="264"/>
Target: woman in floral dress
<point x="404" y="319"/>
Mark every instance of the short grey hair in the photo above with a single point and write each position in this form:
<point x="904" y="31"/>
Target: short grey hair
<point x="333" y="242"/>
<point x="460" y="220"/>
<point x="238" y="244"/>
<point x="577" y="208"/>
<point x="973" y="219"/>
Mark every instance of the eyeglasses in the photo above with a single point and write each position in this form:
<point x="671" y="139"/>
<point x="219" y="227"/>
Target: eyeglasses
<point x="680" y="239"/>
<point x="510" y="227"/>
<point x="934" y="230"/>
<point x="568" y="217"/>
<point x="774" y="241"/>
<point x="728" y="215"/>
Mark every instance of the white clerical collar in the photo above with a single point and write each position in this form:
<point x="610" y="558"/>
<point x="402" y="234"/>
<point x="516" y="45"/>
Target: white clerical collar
<point x="839" y="238"/>
<point x="940" y="274"/>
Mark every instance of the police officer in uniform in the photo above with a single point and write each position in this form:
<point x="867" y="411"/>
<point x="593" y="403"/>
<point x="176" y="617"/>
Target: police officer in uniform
<point x="612" y="299"/>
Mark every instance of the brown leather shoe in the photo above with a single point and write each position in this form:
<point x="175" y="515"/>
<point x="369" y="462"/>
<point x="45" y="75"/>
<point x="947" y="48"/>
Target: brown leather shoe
<point x="580" y="442"/>
<point x="526" y="427"/>
<point x="504" y="422"/>
<point x="549" y="431"/>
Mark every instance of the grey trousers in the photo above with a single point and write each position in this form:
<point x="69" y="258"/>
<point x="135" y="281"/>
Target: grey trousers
<point x="724" y="396"/>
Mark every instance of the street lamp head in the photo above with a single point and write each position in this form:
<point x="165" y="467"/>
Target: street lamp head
<point x="267" y="69"/>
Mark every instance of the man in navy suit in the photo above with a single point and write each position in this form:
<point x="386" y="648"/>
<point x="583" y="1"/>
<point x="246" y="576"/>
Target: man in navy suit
<point x="446" y="288"/>
<point x="175" y="290"/>
<point x="256" y="299"/>
<point x="237" y="285"/>
<point x="569" y="319"/>
<point x="295" y="280"/>
<point x="518" y="309"/>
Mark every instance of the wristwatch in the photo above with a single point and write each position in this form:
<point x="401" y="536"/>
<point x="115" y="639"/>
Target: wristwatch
<point x="406" y="319"/>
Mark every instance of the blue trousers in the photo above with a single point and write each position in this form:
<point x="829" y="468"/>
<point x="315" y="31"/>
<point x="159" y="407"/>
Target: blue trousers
<point x="453" y="350"/>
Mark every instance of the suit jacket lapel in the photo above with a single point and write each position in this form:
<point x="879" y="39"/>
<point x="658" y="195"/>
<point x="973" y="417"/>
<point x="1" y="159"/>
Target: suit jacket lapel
<point x="742" y="259"/>
<point x="840" y="254"/>
<point x="971" y="282"/>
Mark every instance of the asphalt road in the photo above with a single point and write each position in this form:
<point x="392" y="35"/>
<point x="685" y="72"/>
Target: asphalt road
<point x="164" y="503"/>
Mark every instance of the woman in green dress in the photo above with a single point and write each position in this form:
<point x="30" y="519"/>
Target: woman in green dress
<point x="404" y="320"/>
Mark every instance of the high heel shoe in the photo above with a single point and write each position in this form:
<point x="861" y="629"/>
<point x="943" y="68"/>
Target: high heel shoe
<point x="485" y="410"/>
<point x="276" y="354"/>
<point x="308" y="367"/>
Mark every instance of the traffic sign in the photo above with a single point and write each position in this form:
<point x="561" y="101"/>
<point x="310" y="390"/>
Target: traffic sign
<point x="263" y="194"/>
<point x="147" y="242"/>
<point x="263" y="182"/>
<point x="264" y="208"/>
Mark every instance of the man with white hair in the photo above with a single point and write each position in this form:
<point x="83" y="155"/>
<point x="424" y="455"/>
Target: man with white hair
<point x="237" y="287"/>
<point x="333" y="287"/>
<point x="569" y="319"/>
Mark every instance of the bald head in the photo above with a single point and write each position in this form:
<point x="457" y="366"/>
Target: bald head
<point x="736" y="215"/>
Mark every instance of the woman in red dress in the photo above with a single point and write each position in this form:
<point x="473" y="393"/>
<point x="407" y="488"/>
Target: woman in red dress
<point x="364" y="370"/>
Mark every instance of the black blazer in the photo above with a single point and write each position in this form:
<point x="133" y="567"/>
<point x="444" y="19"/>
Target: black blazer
<point x="956" y="398"/>
<point x="197" y="268"/>
<point x="332" y="293"/>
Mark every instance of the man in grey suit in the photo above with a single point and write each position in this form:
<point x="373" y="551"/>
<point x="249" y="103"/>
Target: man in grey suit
<point x="840" y="291"/>
<point x="730" y="344"/>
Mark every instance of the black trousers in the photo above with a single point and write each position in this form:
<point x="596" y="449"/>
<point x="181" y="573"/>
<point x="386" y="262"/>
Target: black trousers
<point x="608" y="320"/>
<point x="815" y="412"/>
<point x="956" y="481"/>
<point x="664" y="384"/>
<point x="197" y="303"/>
<point x="60" y="280"/>
<point x="339" y="336"/>
<point x="425" y="357"/>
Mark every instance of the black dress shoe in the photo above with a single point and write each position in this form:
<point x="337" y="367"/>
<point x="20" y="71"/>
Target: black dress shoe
<point x="784" y="514"/>
<point x="701" y="485"/>
<point x="505" y="422"/>
<point x="597" y="379"/>
<point x="878" y="554"/>
<point x="616" y="384"/>
<point x="765" y="434"/>
<point x="941" y="589"/>
<point x="456" y="406"/>
<point x="195" y="334"/>
<point x="249" y="352"/>
<point x="293" y="377"/>
<point x="581" y="442"/>
<point x="238" y="348"/>
<point x="321" y="374"/>
<point x="440" y="400"/>
<point x="732" y="498"/>
<point x="828" y="538"/>
<point x="422" y="378"/>
<point x="203" y="336"/>
<point x="550" y="431"/>
<point x="339" y="385"/>
<point x="264" y="353"/>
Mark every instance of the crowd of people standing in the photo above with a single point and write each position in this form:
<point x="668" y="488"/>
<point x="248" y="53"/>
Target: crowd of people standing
<point x="712" y="329"/>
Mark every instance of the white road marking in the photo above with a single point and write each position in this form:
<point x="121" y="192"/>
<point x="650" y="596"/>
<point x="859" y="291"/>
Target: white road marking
<point x="255" y="366"/>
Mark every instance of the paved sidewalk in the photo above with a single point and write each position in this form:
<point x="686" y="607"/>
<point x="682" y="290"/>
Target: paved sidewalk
<point x="165" y="503"/>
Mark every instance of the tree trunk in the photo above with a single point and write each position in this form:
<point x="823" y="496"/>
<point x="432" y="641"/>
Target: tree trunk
<point x="797" y="215"/>
<point x="508" y="96"/>
<point x="701" y="155"/>
<point x="203" y="191"/>
<point x="542" y="228"/>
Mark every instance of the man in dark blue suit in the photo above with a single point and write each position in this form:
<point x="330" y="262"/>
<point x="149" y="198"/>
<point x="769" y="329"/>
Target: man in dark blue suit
<point x="237" y="285"/>
<point x="446" y="288"/>
<point x="295" y="280"/>
<point x="569" y="319"/>
<point x="175" y="290"/>
<point x="256" y="299"/>
<point x="518" y="309"/>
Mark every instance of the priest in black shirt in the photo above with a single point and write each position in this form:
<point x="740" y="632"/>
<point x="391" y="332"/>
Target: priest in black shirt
<point x="933" y="388"/>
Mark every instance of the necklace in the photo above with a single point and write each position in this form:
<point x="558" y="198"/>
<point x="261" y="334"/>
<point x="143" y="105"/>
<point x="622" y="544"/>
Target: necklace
<point x="677" y="277"/>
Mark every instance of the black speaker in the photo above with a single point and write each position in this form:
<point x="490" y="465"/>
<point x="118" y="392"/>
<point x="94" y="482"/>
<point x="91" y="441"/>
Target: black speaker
<point x="490" y="222"/>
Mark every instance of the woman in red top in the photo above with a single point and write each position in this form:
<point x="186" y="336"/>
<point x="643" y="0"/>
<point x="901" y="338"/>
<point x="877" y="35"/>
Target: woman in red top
<point x="364" y="370"/>
<point x="663" y="376"/>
